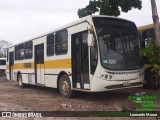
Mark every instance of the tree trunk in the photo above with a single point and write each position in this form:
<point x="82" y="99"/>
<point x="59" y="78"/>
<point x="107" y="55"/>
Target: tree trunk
<point x="156" y="22"/>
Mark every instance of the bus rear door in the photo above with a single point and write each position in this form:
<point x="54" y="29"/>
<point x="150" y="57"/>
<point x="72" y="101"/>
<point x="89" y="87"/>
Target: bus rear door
<point x="11" y="65"/>
<point x="39" y="64"/>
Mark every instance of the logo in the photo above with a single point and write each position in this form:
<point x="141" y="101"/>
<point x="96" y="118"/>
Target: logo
<point x="6" y="114"/>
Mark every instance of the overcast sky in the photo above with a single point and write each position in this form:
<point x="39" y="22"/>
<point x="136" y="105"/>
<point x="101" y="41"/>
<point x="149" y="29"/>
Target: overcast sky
<point x="24" y="19"/>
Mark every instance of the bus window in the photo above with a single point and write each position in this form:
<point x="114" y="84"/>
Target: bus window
<point x="50" y="45"/>
<point x="61" y="42"/>
<point x="28" y="50"/>
<point x="2" y="62"/>
<point x="21" y="52"/>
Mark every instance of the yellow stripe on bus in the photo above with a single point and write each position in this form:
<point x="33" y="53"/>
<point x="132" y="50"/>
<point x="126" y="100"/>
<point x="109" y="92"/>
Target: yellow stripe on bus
<point x="7" y="66"/>
<point x="65" y="63"/>
<point x="52" y="64"/>
<point x="24" y="65"/>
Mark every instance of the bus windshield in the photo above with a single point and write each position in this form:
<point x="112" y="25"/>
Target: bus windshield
<point x="119" y="44"/>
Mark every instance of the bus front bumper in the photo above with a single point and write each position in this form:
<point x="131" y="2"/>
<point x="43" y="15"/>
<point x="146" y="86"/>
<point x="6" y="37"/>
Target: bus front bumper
<point x="100" y="85"/>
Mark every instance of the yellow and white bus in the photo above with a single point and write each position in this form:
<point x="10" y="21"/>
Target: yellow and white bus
<point x="93" y="54"/>
<point x="2" y="66"/>
<point x="147" y="33"/>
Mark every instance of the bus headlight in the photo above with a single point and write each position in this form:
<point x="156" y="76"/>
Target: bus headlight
<point x="110" y="77"/>
<point x="104" y="76"/>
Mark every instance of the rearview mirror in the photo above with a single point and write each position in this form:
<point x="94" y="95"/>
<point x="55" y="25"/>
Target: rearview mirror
<point x="90" y="40"/>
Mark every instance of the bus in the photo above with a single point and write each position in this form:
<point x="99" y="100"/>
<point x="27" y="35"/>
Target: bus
<point x="146" y="34"/>
<point x="2" y="66"/>
<point x="92" y="54"/>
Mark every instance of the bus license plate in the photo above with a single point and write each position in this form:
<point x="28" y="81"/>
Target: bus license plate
<point x="125" y="84"/>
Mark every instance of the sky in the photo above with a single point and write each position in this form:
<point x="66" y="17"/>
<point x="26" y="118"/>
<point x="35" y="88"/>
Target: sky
<point x="22" y="20"/>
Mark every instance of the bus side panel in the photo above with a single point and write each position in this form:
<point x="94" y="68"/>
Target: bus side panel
<point x="7" y="71"/>
<point x="51" y="81"/>
<point x="15" y="75"/>
<point x="56" y="64"/>
<point x="25" y="78"/>
<point x="51" y="76"/>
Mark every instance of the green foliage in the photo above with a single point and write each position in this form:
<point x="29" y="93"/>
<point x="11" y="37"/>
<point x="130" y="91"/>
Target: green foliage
<point x="109" y="7"/>
<point x="152" y="53"/>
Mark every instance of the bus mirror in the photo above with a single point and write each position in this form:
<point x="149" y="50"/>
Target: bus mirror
<point x="90" y="40"/>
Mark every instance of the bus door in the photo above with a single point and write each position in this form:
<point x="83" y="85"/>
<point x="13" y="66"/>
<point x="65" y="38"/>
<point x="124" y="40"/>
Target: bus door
<point x="39" y="64"/>
<point x="80" y="59"/>
<point x="11" y="64"/>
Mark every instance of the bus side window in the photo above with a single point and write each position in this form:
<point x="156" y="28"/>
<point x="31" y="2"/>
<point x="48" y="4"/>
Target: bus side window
<point x="94" y="57"/>
<point x="2" y="62"/>
<point x="28" y="50"/>
<point x="21" y="52"/>
<point x="61" y="42"/>
<point x="50" y="44"/>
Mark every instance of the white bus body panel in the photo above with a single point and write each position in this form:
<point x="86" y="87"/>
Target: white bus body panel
<point x="100" y="85"/>
<point x="134" y="77"/>
<point x="2" y="67"/>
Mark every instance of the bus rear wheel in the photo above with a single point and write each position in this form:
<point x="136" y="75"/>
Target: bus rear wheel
<point x="20" y="81"/>
<point x="65" y="87"/>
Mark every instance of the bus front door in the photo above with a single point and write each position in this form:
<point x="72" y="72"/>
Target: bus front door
<point x="39" y="64"/>
<point x="11" y="64"/>
<point x="80" y="60"/>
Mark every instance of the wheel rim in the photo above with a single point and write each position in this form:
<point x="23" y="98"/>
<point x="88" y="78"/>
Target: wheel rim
<point x="65" y="87"/>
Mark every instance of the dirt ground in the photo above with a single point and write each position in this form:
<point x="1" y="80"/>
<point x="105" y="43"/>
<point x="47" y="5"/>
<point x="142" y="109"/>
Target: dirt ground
<point x="33" y="98"/>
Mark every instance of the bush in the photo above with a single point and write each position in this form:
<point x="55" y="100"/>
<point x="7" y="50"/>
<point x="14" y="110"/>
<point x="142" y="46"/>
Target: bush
<point x="152" y="53"/>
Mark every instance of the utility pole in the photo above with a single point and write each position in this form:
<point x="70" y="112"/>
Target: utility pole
<point x="155" y="21"/>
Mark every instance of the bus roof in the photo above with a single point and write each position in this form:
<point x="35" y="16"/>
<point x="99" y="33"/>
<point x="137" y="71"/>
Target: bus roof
<point x="146" y="27"/>
<point x="87" y="18"/>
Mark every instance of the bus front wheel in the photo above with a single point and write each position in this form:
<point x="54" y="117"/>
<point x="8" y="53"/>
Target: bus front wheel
<point x="152" y="80"/>
<point x="65" y="87"/>
<point x="20" y="81"/>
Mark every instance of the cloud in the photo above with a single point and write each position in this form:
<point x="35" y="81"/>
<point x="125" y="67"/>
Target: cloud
<point x="43" y="5"/>
<point x="24" y="19"/>
<point x="29" y="18"/>
<point x="143" y="16"/>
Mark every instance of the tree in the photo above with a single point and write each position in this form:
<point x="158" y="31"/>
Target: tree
<point x="109" y="7"/>
<point x="152" y="53"/>
<point x="156" y="22"/>
<point x="3" y="47"/>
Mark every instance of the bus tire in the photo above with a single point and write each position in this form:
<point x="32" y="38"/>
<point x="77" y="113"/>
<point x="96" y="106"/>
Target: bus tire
<point x="20" y="81"/>
<point x="65" y="87"/>
<point x="152" y="80"/>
